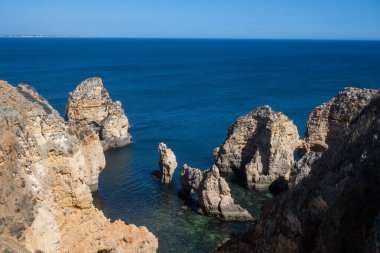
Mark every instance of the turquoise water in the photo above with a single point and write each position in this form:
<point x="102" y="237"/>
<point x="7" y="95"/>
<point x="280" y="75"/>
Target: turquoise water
<point x="186" y="93"/>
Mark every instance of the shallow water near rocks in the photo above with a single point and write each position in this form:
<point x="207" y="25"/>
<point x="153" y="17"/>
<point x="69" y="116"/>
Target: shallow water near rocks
<point x="186" y="93"/>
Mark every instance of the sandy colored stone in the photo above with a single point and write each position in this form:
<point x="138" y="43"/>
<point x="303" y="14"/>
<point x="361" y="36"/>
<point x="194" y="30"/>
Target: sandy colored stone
<point x="213" y="193"/>
<point x="45" y="204"/>
<point x="167" y="163"/>
<point x="90" y="105"/>
<point x="260" y="146"/>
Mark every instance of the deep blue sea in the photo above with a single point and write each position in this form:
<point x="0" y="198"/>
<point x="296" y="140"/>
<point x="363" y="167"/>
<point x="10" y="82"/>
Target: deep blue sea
<point x="186" y="93"/>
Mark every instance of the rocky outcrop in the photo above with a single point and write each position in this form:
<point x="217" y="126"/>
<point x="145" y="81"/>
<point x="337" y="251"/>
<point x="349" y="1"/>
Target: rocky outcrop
<point x="260" y="146"/>
<point x="327" y="123"/>
<point x="45" y="204"/>
<point x="334" y="208"/>
<point x="213" y="193"/>
<point x="167" y="163"/>
<point x="329" y="120"/>
<point x="90" y="105"/>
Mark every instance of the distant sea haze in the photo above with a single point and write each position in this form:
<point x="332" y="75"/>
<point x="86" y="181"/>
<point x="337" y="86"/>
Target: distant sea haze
<point x="186" y="93"/>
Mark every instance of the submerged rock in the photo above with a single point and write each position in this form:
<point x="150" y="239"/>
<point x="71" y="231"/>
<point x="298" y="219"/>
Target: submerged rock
<point x="213" y="193"/>
<point x="45" y="204"/>
<point x="90" y="105"/>
<point x="260" y="146"/>
<point x="167" y="163"/>
<point x="336" y="207"/>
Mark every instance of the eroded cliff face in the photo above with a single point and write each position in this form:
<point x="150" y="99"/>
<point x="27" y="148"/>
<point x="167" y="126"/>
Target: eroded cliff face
<point x="214" y="195"/>
<point x="90" y="105"/>
<point x="260" y="146"/>
<point x="45" y="174"/>
<point x="334" y="208"/>
<point x="329" y="120"/>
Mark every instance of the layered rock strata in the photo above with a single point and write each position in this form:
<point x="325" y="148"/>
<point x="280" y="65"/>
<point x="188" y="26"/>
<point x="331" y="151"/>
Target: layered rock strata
<point x="334" y="208"/>
<point x="90" y="105"/>
<point x="167" y="163"/>
<point x="260" y="146"/>
<point x="45" y="204"/>
<point x="213" y="193"/>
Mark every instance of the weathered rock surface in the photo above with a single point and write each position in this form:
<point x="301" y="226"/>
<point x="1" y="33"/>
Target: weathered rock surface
<point x="45" y="204"/>
<point x="260" y="146"/>
<point x="167" y="163"/>
<point x="90" y="105"/>
<point x="331" y="119"/>
<point x="304" y="165"/>
<point x="334" y="208"/>
<point x="213" y="193"/>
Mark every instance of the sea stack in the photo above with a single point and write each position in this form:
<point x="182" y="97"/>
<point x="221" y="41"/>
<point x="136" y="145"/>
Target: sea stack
<point x="167" y="163"/>
<point x="45" y="202"/>
<point x="336" y="207"/>
<point x="90" y="105"/>
<point x="260" y="147"/>
<point x="213" y="193"/>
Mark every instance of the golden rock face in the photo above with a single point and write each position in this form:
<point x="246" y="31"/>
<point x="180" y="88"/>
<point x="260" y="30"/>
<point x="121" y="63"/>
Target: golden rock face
<point x="90" y="105"/>
<point x="46" y="171"/>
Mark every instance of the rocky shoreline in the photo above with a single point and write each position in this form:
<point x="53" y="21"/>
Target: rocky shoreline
<point x="48" y="168"/>
<point x="326" y="184"/>
<point x="334" y="197"/>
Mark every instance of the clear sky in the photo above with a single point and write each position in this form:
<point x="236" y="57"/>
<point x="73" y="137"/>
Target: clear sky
<point x="290" y="19"/>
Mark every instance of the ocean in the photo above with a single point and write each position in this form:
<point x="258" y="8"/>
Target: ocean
<point x="186" y="93"/>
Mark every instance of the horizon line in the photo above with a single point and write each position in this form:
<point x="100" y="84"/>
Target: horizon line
<point x="177" y="38"/>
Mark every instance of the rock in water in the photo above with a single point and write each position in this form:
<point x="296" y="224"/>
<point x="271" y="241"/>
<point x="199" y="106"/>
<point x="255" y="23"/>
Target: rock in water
<point x="45" y="204"/>
<point x="336" y="207"/>
<point x="213" y="193"/>
<point x="331" y="119"/>
<point x="90" y="105"/>
<point x="260" y="146"/>
<point x="167" y="163"/>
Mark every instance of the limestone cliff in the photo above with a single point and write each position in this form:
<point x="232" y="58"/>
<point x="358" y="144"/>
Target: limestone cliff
<point x="260" y="146"/>
<point x="213" y="193"/>
<point x="90" y="105"/>
<point x="45" y="204"/>
<point x="334" y="208"/>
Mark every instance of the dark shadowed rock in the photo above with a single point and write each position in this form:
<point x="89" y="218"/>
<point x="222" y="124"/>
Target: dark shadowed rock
<point x="334" y="208"/>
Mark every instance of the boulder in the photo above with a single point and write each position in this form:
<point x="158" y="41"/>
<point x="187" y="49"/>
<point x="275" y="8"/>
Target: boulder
<point x="259" y="146"/>
<point x="90" y="105"/>
<point x="213" y="193"/>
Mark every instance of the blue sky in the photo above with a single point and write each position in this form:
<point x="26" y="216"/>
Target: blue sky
<point x="287" y="19"/>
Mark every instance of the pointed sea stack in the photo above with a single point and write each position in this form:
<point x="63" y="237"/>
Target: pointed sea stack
<point x="90" y="105"/>
<point x="167" y="163"/>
